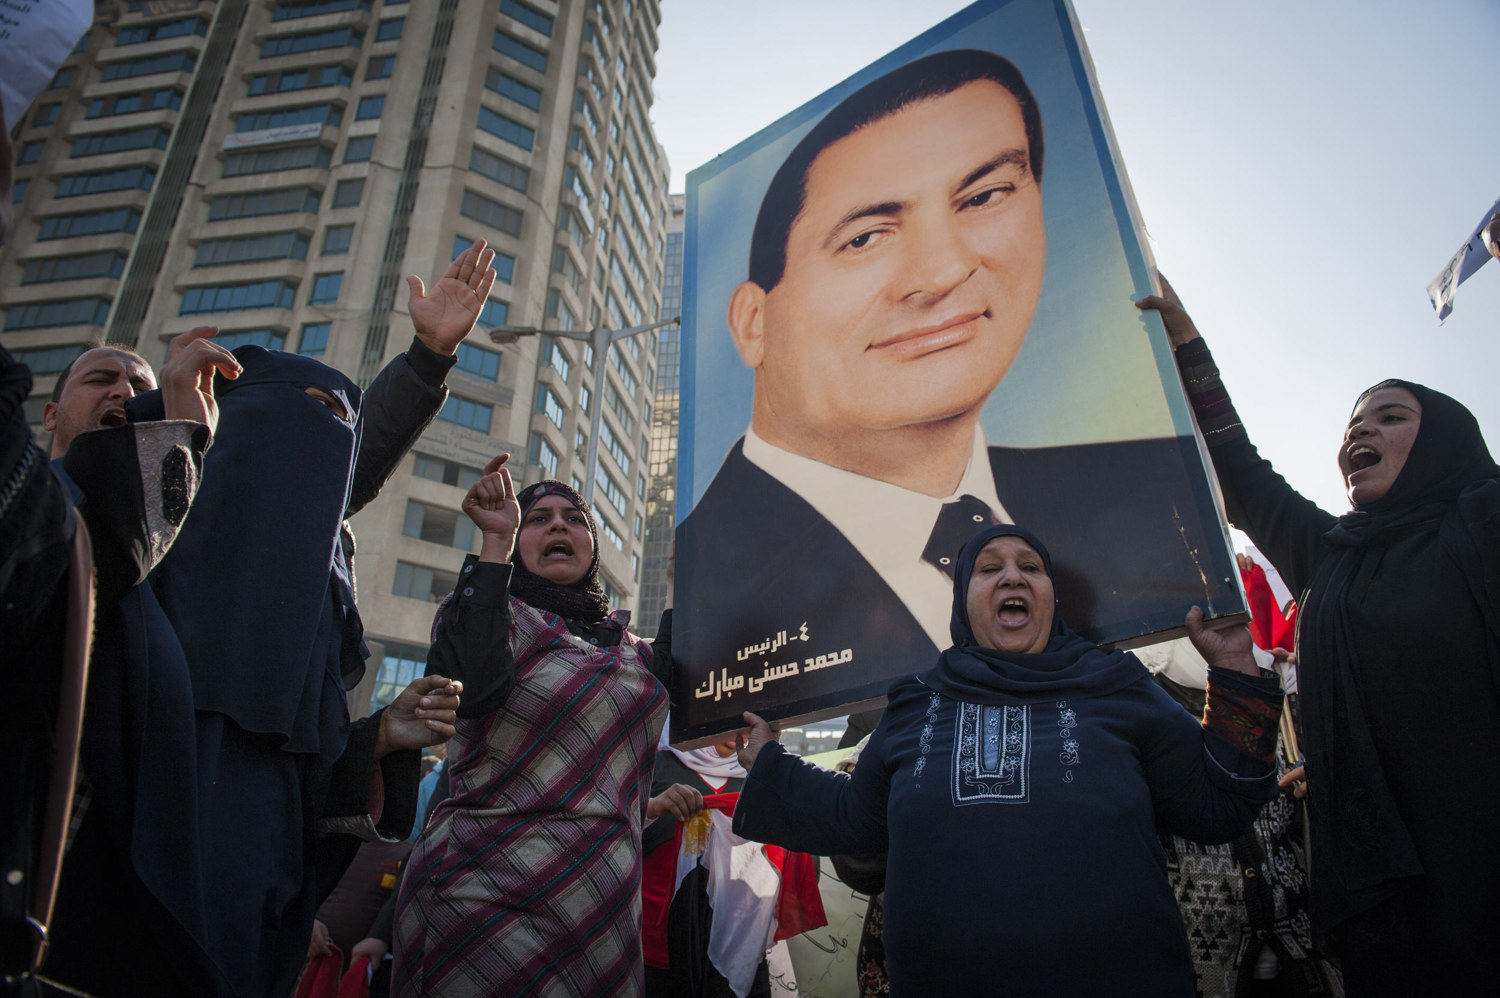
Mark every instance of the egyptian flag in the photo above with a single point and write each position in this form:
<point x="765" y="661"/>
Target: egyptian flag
<point x="760" y="894"/>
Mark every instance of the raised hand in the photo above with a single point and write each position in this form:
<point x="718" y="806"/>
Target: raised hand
<point x="751" y="742"/>
<point x="1180" y="328"/>
<point x="491" y="504"/>
<point x="1226" y="648"/>
<point x="187" y="378"/>
<point x="446" y="315"/>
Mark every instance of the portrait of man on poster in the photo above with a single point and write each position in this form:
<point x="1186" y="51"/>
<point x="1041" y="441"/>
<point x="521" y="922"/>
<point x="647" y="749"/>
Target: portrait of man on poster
<point x="895" y="267"/>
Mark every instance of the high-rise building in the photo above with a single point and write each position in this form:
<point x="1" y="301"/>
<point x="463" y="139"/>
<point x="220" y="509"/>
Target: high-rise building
<point x="661" y="485"/>
<point x="276" y="168"/>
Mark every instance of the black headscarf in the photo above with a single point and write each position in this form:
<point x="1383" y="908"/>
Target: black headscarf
<point x="256" y="585"/>
<point x="1448" y="456"/>
<point x="1448" y="482"/>
<point x="581" y="600"/>
<point x="1070" y="665"/>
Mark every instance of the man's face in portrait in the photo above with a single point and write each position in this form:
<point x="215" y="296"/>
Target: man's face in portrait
<point x="912" y="273"/>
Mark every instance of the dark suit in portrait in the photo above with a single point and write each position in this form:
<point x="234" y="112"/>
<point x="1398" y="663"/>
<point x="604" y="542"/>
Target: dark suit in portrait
<point x="755" y="561"/>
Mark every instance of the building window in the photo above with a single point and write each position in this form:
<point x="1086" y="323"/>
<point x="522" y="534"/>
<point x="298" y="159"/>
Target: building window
<point x="247" y="249"/>
<point x="64" y="78"/>
<point x="154" y="137"/>
<point x="436" y="469"/>
<point x="308" y="114"/>
<point x="270" y="339"/>
<point x="141" y="100"/>
<point x="502" y="171"/>
<point x="129" y="178"/>
<point x="555" y="357"/>
<point x="370" y="108"/>
<point x="380" y="67"/>
<point x="518" y="50"/>
<point x="157" y="31"/>
<point x="67" y="312"/>
<point x="438" y="526"/>
<point x="585" y="398"/>
<point x="401" y="666"/>
<point x="542" y="455"/>
<point x="359" y="148"/>
<point x="170" y="62"/>
<point x="242" y="164"/>
<point x="580" y="443"/>
<point x="46" y="114"/>
<point x="303" y="78"/>
<point x="390" y="30"/>
<point x="89" y="223"/>
<point x="640" y="526"/>
<point x="287" y="10"/>
<point x="549" y="405"/>
<point x="312" y="41"/>
<point x="31" y="152"/>
<point x="478" y="361"/>
<point x="325" y="289"/>
<point x="493" y="314"/>
<point x="527" y="15"/>
<point x="49" y="360"/>
<point x="500" y="217"/>
<point x="336" y="239"/>
<point x="509" y="87"/>
<point x="502" y="127"/>
<point x="608" y="530"/>
<point x="504" y="266"/>
<point x="616" y="449"/>
<point x="348" y="193"/>
<point x="314" y="339"/>
<point x="419" y="582"/>
<point x="278" y="202"/>
<point x="237" y="297"/>
<point x="466" y="412"/>
<point x="558" y="310"/>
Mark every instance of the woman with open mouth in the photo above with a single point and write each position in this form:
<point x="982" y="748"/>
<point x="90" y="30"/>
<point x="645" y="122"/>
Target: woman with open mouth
<point x="1398" y="644"/>
<point x="527" y="879"/>
<point x="1017" y="788"/>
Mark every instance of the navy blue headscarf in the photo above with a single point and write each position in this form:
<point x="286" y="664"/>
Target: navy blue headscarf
<point x="1070" y="666"/>
<point x="256" y="585"/>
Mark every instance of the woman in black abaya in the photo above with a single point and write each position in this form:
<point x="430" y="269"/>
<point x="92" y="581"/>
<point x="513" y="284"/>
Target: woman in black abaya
<point x="1399" y="669"/>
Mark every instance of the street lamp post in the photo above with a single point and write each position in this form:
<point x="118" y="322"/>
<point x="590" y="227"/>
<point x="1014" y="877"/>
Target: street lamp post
<point x="600" y="339"/>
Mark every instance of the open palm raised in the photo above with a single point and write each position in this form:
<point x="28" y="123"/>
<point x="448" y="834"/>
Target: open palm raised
<point x="444" y="316"/>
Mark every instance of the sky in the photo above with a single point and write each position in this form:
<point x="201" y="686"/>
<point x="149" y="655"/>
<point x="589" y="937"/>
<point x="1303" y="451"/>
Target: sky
<point x="1303" y="171"/>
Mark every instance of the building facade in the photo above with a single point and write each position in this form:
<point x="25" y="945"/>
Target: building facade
<point x="661" y="483"/>
<point x="277" y="168"/>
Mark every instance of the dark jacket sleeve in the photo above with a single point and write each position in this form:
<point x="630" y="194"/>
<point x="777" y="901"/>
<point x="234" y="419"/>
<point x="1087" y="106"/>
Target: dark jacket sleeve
<point x="136" y="484"/>
<point x="661" y="650"/>
<point x="471" y="642"/>
<point x="1209" y="780"/>
<point x="1286" y="526"/>
<point x="396" y="408"/>
<point x="802" y="807"/>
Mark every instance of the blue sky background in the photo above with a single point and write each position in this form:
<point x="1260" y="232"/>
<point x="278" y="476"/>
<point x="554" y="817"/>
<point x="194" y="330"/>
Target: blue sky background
<point x="1303" y="171"/>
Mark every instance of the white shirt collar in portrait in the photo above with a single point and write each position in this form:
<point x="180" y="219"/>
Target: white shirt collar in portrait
<point x="888" y="525"/>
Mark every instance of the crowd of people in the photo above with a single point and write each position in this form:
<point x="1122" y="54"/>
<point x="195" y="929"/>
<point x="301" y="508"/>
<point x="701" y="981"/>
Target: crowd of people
<point x="1017" y="788"/>
<point x="1032" y="813"/>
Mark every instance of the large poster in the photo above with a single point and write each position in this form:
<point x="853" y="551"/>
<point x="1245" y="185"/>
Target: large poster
<point x="908" y="312"/>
